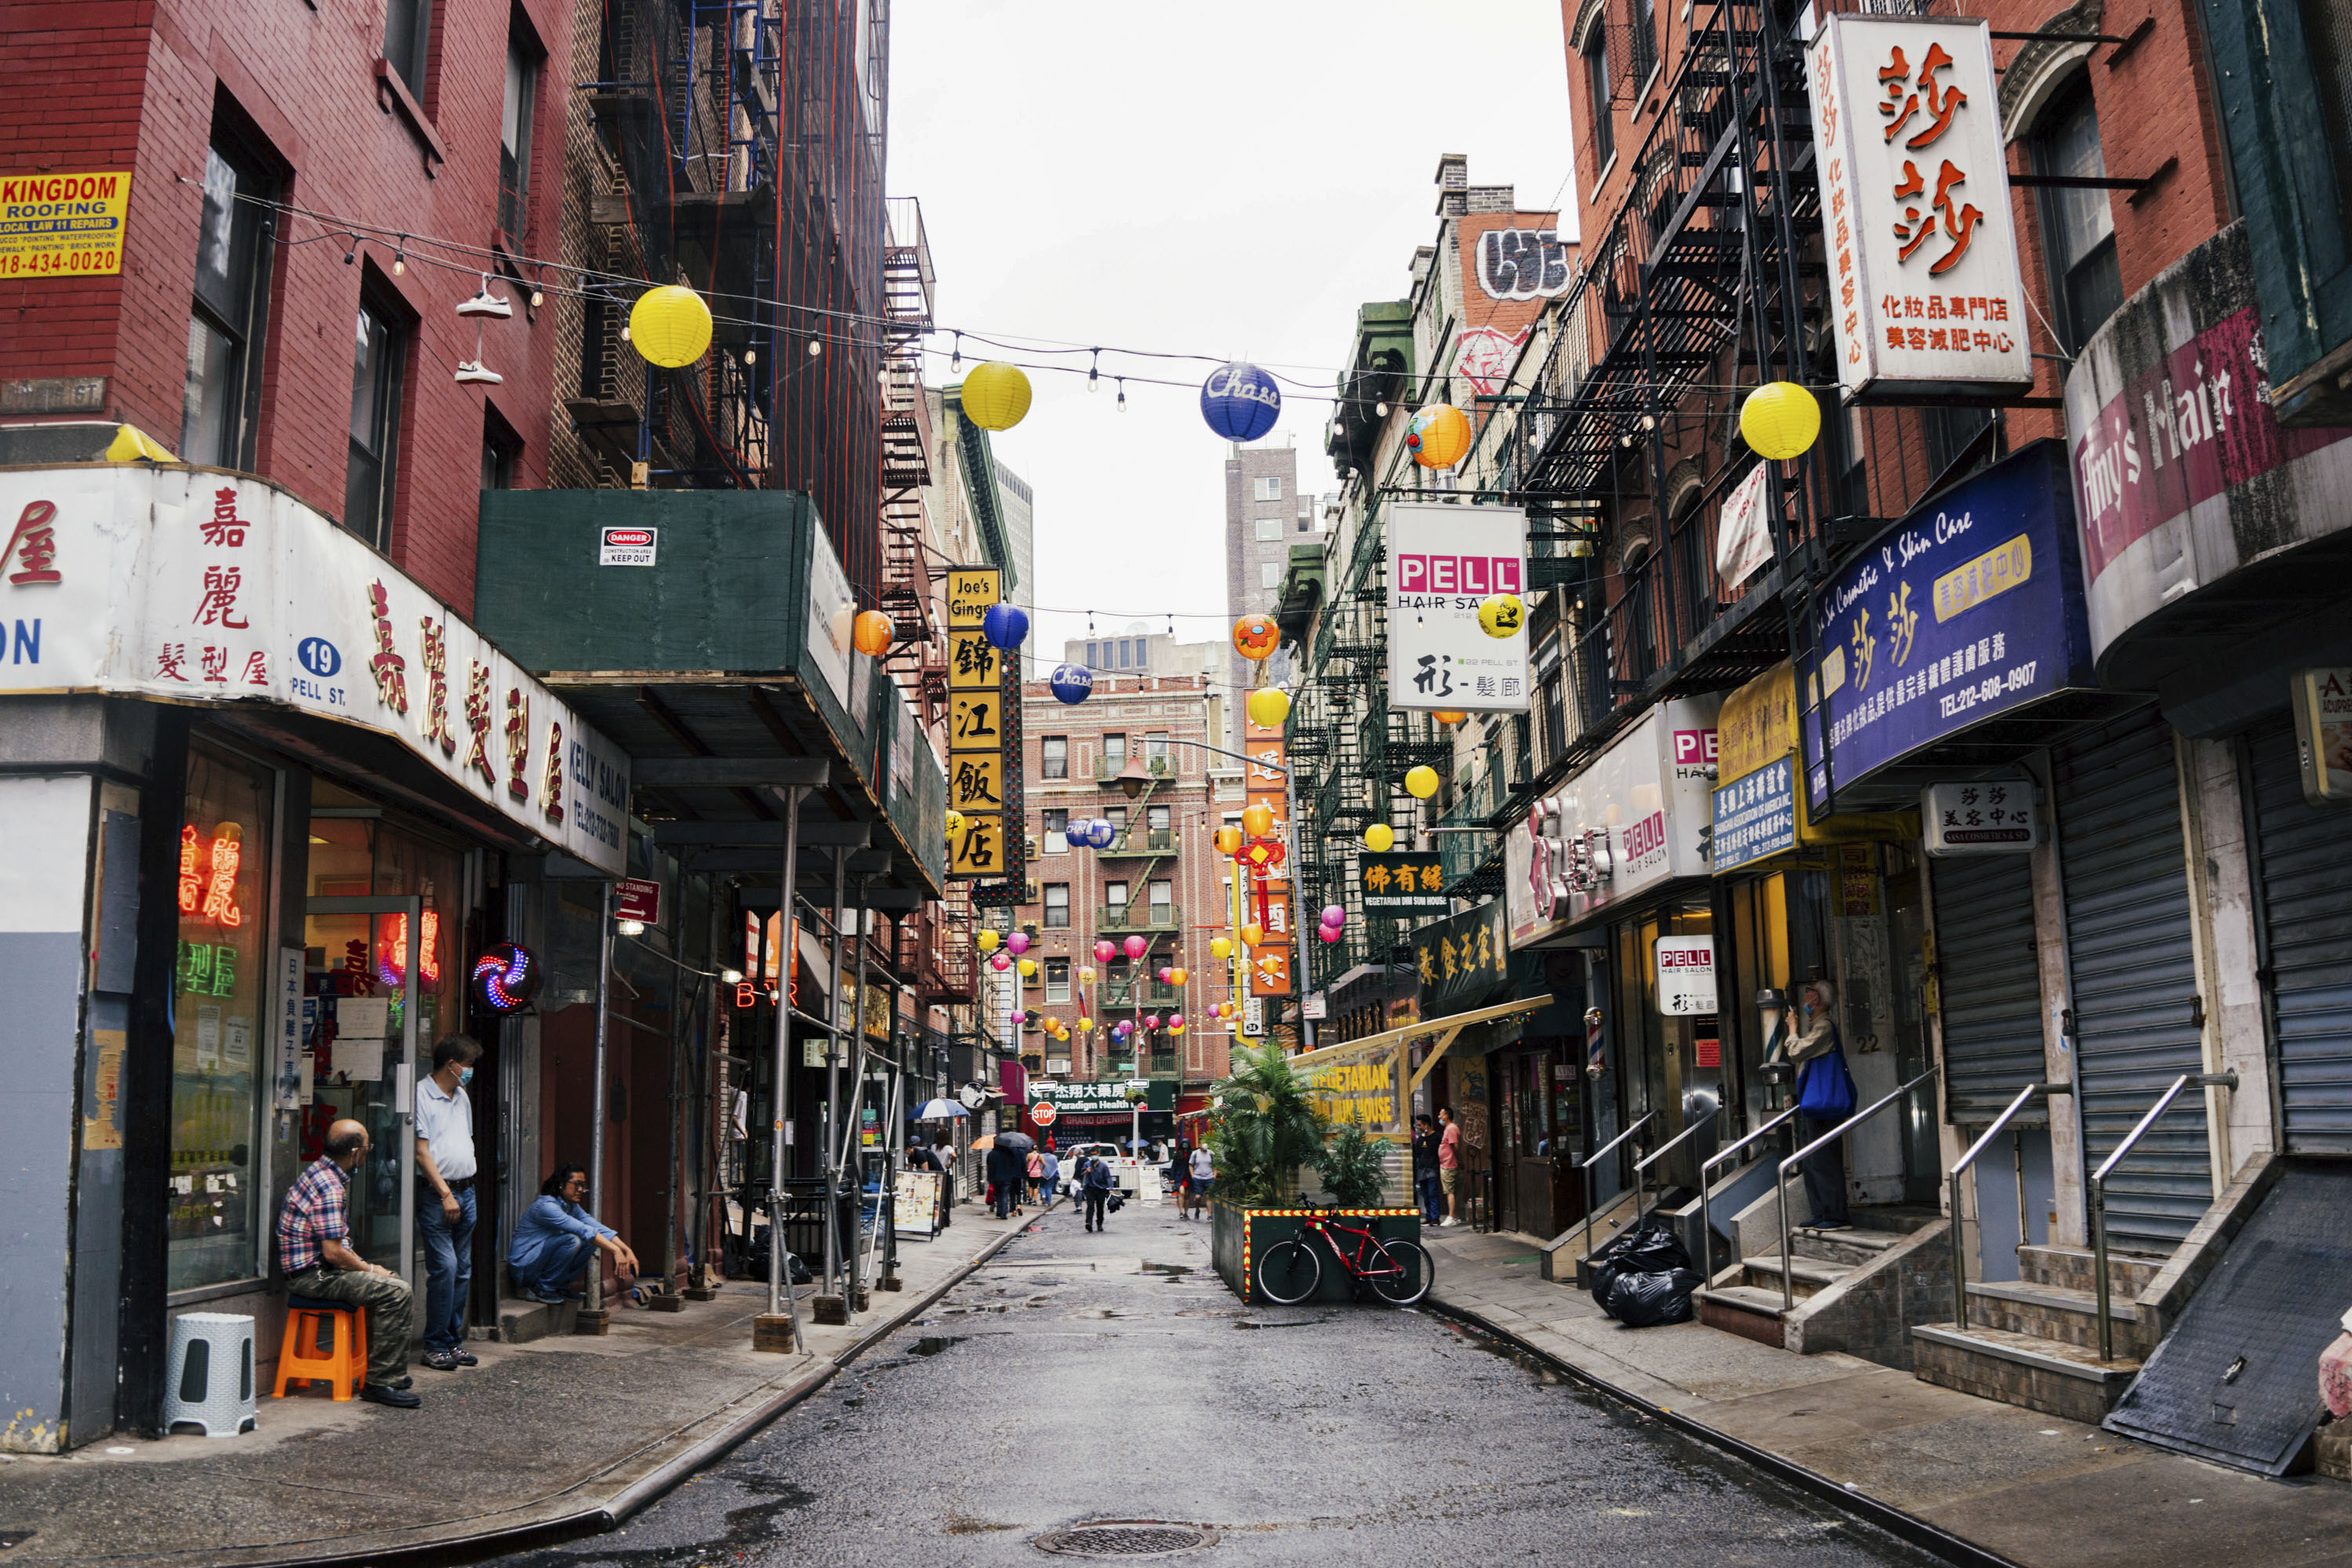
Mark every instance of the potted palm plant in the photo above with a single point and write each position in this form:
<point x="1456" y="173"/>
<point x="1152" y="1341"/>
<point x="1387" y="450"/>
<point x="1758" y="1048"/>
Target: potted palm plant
<point x="1266" y="1131"/>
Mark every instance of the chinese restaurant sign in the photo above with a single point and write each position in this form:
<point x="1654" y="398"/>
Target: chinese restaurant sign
<point x="1968" y="608"/>
<point x="1403" y="884"/>
<point x="976" y="728"/>
<point x="1462" y="960"/>
<point x="196" y="585"/>
<point x="1266" y="783"/>
<point x="1443" y="559"/>
<point x="1915" y="206"/>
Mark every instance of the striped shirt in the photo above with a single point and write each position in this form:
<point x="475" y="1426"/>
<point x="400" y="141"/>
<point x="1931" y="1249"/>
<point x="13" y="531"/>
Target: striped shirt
<point x="313" y="1214"/>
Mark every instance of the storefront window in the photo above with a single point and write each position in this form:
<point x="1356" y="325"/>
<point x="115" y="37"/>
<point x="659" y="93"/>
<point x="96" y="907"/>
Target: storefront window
<point x="356" y="966"/>
<point x="218" y="992"/>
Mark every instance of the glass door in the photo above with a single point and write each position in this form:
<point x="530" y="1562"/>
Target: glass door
<point x="364" y="972"/>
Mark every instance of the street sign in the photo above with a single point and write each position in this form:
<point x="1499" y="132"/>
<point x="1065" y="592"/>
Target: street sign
<point x="637" y="898"/>
<point x="1042" y="1113"/>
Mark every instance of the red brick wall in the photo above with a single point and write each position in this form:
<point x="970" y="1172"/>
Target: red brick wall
<point x="131" y="84"/>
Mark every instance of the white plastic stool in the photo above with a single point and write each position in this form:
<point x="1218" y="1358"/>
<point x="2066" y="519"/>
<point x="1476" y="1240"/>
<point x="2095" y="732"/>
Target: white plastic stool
<point x="212" y="1373"/>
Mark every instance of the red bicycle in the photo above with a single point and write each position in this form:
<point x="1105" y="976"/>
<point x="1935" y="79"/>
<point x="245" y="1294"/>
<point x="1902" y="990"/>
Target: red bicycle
<point x="1289" y="1271"/>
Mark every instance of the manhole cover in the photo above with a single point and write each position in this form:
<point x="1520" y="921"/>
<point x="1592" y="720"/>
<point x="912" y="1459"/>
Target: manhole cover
<point x="1124" y="1538"/>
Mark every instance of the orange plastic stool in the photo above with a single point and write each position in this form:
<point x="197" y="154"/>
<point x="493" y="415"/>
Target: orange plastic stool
<point x="342" y="1367"/>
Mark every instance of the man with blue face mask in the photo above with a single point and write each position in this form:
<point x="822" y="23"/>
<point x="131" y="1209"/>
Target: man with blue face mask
<point x="444" y="1199"/>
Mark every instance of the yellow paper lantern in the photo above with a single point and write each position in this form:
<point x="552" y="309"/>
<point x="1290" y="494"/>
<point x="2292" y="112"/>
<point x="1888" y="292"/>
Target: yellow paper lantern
<point x="1220" y="949"/>
<point x="1779" y="420"/>
<point x="1178" y="976"/>
<point x="670" y="326"/>
<point x="1422" y="782"/>
<point x="1084" y="1023"/>
<point x="871" y="634"/>
<point x="1268" y="707"/>
<point x="1449" y="716"/>
<point x="1252" y="935"/>
<point x="954" y="821"/>
<point x="1087" y="975"/>
<point x="1028" y="968"/>
<point x="996" y="396"/>
<point x="1228" y="840"/>
<point x="986" y="940"/>
<point x="1438" y="436"/>
<point x="1257" y="821"/>
<point x="1501" y="614"/>
<point x="1380" y="838"/>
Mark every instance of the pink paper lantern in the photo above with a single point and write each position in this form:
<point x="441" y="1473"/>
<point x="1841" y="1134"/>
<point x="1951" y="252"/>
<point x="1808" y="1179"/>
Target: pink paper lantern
<point x="1329" y="933"/>
<point x="1333" y="915"/>
<point x="999" y="962"/>
<point x="1176" y="1021"/>
<point x="1104" y="952"/>
<point x="1137" y="947"/>
<point x="1152" y="1020"/>
<point x="1018" y="942"/>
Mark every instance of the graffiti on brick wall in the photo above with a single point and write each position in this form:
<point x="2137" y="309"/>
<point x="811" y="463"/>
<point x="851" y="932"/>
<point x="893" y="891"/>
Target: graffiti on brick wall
<point x="1522" y="263"/>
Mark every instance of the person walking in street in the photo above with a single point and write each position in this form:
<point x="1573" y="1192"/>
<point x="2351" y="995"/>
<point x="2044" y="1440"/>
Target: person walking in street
<point x="444" y="1199"/>
<point x="1036" y="1177"/>
<point x="1203" y="1171"/>
<point x="1818" y="1049"/>
<point x="1449" y="1165"/>
<point x="1003" y="1167"/>
<point x="557" y="1238"/>
<point x="1424" y="1169"/>
<point x="1052" y="1178"/>
<point x="314" y="1248"/>
<point x="943" y="1153"/>
<point x="1096" y="1183"/>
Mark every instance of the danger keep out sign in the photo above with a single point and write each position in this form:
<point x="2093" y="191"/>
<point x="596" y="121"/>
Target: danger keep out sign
<point x="627" y="546"/>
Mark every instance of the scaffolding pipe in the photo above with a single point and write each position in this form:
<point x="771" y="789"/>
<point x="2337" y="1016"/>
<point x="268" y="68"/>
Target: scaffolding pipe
<point x="780" y="1293"/>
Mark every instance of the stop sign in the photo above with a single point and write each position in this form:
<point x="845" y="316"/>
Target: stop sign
<point x="1041" y="1113"/>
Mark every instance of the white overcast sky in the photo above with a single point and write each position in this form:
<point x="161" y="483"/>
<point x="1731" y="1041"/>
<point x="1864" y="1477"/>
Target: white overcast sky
<point x="1212" y="178"/>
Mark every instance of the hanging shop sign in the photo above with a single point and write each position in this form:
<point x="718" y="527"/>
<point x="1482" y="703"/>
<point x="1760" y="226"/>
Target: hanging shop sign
<point x="1266" y="783"/>
<point x="63" y="226"/>
<point x="1968" y="610"/>
<point x="1981" y="816"/>
<point x="1108" y="1097"/>
<point x="1443" y="561"/>
<point x="1404" y="885"/>
<point x="199" y="586"/>
<point x="1633" y="820"/>
<point x="977" y="731"/>
<point x="1461" y="960"/>
<point x="2323" y="733"/>
<point x="1685" y="975"/>
<point x="1757" y="814"/>
<point x="2182" y="475"/>
<point x="1915" y="208"/>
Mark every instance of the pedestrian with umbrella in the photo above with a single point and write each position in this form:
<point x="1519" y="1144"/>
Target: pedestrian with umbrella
<point x="1008" y="1169"/>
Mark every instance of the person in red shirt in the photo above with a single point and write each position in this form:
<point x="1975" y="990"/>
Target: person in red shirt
<point x="1449" y="1165"/>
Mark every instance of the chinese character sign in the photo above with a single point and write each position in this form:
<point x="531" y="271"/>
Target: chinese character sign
<point x="1443" y="560"/>
<point x="1922" y="251"/>
<point x="977" y="735"/>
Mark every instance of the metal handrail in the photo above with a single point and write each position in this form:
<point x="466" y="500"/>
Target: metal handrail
<point x="1959" y="1270"/>
<point x="1658" y="1153"/>
<point x="1706" y="1219"/>
<point x="1780" y="1183"/>
<point x="2099" y="1191"/>
<point x="1594" y="1159"/>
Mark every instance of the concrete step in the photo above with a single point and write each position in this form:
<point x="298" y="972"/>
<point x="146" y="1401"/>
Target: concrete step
<point x="1853" y="1246"/>
<point x="2048" y="1375"/>
<point x="1748" y="1311"/>
<point x="1906" y="1219"/>
<point x="2069" y="1268"/>
<point x="2054" y="1312"/>
<point x="1807" y="1276"/>
<point x="522" y="1319"/>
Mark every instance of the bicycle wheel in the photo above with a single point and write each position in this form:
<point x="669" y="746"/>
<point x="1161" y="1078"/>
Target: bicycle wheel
<point x="1287" y="1272"/>
<point x="1408" y="1280"/>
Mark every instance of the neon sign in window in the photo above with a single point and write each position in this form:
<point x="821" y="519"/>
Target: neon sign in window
<point x="392" y="966"/>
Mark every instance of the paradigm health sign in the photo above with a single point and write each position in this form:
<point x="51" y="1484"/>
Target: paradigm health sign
<point x="1968" y="608"/>
<point x="1914" y="206"/>
<point x="200" y="586"/>
<point x="1443" y="559"/>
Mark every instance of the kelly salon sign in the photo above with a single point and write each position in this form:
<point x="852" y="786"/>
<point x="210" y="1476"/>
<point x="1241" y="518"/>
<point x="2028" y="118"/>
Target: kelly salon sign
<point x="195" y="585"/>
<point x="1924" y="277"/>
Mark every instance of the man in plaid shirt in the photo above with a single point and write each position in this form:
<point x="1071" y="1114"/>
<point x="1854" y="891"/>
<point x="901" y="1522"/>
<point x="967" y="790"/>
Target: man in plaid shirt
<point x="314" y="1245"/>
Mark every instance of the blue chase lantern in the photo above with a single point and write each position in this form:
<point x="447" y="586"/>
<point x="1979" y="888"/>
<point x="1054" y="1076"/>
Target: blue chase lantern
<point x="1239" y="400"/>
<point x="1073" y="683"/>
<point x="1005" y="626"/>
<point x="1101" y="833"/>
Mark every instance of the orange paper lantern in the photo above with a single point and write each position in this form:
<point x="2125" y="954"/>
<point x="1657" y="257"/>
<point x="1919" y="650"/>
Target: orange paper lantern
<point x="1257" y="821"/>
<point x="1257" y="636"/>
<point x="873" y="633"/>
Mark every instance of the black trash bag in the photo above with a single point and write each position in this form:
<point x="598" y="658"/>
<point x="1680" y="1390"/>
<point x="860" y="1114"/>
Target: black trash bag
<point x="1646" y="1300"/>
<point x="1651" y="1248"/>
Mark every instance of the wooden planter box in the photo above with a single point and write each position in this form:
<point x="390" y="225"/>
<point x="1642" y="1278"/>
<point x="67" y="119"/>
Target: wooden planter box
<point x="1237" y="1236"/>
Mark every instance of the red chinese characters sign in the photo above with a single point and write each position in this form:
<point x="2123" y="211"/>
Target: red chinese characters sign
<point x="1267" y="780"/>
<point x="1916" y="208"/>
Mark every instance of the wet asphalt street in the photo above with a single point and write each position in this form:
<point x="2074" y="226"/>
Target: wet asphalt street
<point x="1112" y="1376"/>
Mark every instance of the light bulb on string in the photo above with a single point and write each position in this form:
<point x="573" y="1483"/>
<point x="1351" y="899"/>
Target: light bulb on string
<point x="955" y="354"/>
<point x="1094" y="373"/>
<point x="352" y="251"/>
<point x="1122" y="395"/>
<point x="538" y="294"/>
<point x="750" y="354"/>
<point x="400" y="257"/>
<point x="816" y="346"/>
<point x="1380" y="410"/>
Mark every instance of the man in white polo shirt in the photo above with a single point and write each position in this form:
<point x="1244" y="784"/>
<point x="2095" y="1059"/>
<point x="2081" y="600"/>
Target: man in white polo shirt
<point x="444" y="1199"/>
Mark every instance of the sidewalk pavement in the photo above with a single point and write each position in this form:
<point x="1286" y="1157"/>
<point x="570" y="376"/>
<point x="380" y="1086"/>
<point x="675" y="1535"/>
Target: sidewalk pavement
<point x="1969" y="1479"/>
<point x="558" y="1437"/>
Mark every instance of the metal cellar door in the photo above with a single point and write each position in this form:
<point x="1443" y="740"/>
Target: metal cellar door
<point x="2134" y="985"/>
<point x="2304" y="880"/>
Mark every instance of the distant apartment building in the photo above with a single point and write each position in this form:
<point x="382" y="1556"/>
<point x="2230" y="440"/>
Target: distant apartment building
<point x="1264" y="516"/>
<point x="1020" y="505"/>
<point x="1137" y="650"/>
